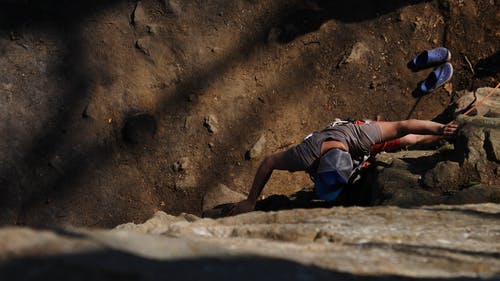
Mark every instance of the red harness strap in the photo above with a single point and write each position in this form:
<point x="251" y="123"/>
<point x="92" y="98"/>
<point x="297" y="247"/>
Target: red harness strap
<point x="388" y="146"/>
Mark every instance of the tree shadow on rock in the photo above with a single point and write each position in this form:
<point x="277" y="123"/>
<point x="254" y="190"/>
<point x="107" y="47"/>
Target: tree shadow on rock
<point x="117" y="265"/>
<point x="355" y="194"/>
<point x="488" y="67"/>
<point x="305" y="198"/>
<point x="51" y="160"/>
<point x="308" y="17"/>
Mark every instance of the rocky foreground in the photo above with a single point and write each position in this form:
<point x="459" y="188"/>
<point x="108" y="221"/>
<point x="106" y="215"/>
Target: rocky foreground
<point x="378" y="243"/>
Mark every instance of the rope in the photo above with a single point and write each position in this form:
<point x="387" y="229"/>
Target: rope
<point x="483" y="99"/>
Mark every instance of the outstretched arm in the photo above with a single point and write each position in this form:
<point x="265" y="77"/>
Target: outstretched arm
<point x="392" y="130"/>
<point x="264" y="172"/>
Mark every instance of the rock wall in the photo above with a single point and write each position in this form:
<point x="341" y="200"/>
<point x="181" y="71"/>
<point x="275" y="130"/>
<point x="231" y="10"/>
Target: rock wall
<point x="113" y="109"/>
<point x="404" y="242"/>
<point x="463" y="170"/>
<point x="378" y="243"/>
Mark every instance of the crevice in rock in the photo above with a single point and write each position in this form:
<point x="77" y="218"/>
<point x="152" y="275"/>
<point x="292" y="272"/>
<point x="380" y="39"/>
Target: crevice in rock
<point x="488" y="148"/>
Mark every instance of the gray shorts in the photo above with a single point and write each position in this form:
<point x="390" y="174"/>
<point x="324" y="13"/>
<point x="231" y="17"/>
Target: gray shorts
<point x="358" y="138"/>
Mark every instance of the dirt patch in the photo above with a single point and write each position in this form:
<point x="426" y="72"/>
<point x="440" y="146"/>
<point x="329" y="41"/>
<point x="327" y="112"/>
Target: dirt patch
<point x="72" y="74"/>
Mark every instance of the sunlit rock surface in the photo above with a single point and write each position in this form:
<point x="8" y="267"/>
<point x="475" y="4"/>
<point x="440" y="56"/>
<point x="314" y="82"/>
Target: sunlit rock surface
<point x="378" y="243"/>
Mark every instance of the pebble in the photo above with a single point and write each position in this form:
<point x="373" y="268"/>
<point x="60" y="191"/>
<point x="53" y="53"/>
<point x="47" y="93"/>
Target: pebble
<point x="211" y="123"/>
<point x="257" y="148"/>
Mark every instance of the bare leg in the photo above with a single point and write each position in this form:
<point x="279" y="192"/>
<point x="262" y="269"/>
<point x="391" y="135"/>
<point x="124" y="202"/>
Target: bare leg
<point x="413" y="139"/>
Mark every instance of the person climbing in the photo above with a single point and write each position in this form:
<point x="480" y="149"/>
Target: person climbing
<point x="330" y="155"/>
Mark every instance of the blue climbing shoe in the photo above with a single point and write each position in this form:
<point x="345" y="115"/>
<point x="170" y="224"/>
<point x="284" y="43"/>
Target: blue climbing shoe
<point x="437" y="78"/>
<point x="430" y="58"/>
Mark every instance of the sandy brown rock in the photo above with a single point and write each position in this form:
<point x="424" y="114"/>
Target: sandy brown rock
<point x="72" y="72"/>
<point x="383" y="243"/>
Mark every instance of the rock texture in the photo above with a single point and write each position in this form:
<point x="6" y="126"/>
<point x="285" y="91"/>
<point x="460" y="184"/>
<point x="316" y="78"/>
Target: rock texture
<point x="212" y="77"/>
<point x="426" y="236"/>
<point x="382" y="243"/>
<point x="464" y="170"/>
<point x="112" y="110"/>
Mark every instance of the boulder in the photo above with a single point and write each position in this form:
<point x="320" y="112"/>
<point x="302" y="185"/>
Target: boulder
<point x="446" y="176"/>
<point x="489" y="107"/>
<point x="478" y="149"/>
<point x="378" y="243"/>
<point x="466" y="173"/>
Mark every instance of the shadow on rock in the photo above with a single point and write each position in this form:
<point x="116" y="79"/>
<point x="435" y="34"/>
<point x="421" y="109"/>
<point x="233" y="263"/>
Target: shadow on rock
<point x="116" y="265"/>
<point x="303" y="199"/>
<point x="309" y="16"/>
<point x="489" y="66"/>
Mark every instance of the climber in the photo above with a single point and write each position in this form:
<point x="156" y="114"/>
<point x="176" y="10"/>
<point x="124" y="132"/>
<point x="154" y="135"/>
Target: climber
<point x="330" y="155"/>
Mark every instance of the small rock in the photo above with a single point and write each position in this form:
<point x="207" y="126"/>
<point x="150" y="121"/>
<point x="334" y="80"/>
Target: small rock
<point x="92" y="110"/>
<point x="85" y="113"/>
<point x="57" y="163"/>
<point x="139" y="15"/>
<point x="358" y="52"/>
<point x="385" y="159"/>
<point x="173" y="6"/>
<point x="257" y="148"/>
<point x="210" y="123"/>
<point x="142" y="45"/>
<point x="152" y="28"/>
<point x="185" y="183"/>
<point x="181" y="165"/>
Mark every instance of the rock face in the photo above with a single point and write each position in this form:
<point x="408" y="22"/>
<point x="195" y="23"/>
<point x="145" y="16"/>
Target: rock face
<point x="212" y="76"/>
<point x="463" y="172"/>
<point x="427" y="235"/>
<point x="479" y="140"/>
<point x="207" y="82"/>
<point x="382" y="243"/>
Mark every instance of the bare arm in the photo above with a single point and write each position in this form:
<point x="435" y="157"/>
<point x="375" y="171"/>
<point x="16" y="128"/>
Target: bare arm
<point x="392" y="130"/>
<point x="264" y="172"/>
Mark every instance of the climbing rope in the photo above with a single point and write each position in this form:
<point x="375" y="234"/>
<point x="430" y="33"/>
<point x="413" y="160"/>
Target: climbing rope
<point x="482" y="100"/>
